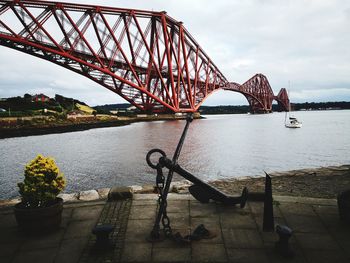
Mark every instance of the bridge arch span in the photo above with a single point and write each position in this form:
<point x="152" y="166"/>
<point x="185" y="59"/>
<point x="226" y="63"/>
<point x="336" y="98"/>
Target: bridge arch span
<point x="146" y="57"/>
<point x="225" y="97"/>
<point x="259" y="94"/>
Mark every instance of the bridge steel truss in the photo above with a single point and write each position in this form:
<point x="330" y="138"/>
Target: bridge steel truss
<point x="146" y="57"/>
<point x="259" y="94"/>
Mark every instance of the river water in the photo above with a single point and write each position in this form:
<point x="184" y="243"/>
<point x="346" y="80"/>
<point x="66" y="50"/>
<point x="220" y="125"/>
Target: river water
<point x="218" y="147"/>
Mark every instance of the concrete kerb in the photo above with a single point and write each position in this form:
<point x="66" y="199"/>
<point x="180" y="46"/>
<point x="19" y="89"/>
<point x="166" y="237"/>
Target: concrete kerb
<point x="142" y="195"/>
<point x="179" y="187"/>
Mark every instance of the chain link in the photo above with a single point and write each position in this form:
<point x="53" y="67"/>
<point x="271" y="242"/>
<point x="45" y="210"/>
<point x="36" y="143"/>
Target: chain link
<point x="160" y="177"/>
<point x="162" y="201"/>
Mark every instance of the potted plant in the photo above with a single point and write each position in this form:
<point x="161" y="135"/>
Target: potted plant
<point x="40" y="209"/>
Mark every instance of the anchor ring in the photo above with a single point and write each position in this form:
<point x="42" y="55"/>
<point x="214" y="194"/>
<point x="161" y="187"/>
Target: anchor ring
<point x="148" y="157"/>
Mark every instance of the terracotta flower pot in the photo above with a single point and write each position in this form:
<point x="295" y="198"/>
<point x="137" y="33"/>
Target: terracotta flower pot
<point x="39" y="220"/>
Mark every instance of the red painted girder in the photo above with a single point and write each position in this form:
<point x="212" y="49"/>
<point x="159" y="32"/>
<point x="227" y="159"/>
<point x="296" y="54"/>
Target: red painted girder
<point x="146" y="57"/>
<point x="283" y="99"/>
<point x="86" y="34"/>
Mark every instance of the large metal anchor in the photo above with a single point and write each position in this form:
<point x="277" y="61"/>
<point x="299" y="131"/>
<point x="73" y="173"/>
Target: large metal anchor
<point x="200" y="190"/>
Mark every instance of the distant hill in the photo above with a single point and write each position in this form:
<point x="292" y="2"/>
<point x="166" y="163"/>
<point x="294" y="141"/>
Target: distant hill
<point x="108" y="107"/>
<point x="67" y="103"/>
<point x="30" y="103"/>
<point x="228" y="109"/>
<point x="336" y="105"/>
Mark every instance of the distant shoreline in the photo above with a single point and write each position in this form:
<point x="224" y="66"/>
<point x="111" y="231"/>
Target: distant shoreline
<point x="54" y="128"/>
<point x="39" y="130"/>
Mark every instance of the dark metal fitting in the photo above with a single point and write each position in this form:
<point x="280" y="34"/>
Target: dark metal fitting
<point x="166" y="162"/>
<point x="282" y="245"/>
<point x="102" y="234"/>
<point x="284" y="232"/>
<point x="162" y="161"/>
<point x="189" y="117"/>
<point x="148" y="157"/>
<point x="244" y="197"/>
<point x="343" y="200"/>
<point x="268" y="220"/>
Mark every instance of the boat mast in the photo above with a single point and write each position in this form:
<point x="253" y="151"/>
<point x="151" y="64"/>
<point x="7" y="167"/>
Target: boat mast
<point x="289" y="107"/>
<point x="288" y="110"/>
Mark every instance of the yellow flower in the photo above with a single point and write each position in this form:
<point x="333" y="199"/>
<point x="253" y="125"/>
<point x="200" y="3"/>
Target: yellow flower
<point x="43" y="181"/>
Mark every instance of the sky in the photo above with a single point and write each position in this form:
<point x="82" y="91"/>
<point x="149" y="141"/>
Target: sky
<point x="302" y="42"/>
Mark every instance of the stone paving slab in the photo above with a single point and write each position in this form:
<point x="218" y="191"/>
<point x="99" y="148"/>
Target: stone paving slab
<point x="208" y="252"/>
<point x="318" y="236"/>
<point x="167" y="254"/>
<point x="240" y="237"/>
<point x="65" y="245"/>
<point x="247" y="255"/>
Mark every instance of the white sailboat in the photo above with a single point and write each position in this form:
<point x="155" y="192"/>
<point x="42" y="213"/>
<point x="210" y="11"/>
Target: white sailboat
<point x="291" y="121"/>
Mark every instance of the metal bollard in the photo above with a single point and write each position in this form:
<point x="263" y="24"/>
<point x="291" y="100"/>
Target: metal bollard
<point x="282" y="245"/>
<point x="102" y="236"/>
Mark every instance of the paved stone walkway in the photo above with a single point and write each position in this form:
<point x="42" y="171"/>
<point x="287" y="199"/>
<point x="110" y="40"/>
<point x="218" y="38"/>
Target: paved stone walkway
<point x="318" y="236"/>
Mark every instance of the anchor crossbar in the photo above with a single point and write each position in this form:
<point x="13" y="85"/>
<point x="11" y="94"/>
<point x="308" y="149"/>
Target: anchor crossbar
<point x="201" y="190"/>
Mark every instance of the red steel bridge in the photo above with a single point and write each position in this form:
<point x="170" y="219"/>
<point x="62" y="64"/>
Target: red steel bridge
<point x="146" y="57"/>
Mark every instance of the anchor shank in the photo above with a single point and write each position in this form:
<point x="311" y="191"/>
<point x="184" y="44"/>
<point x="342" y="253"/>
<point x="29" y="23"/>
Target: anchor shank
<point x="177" y="152"/>
<point x="176" y="156"/>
